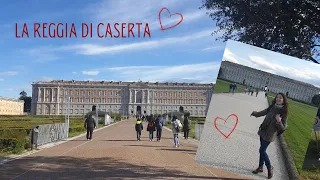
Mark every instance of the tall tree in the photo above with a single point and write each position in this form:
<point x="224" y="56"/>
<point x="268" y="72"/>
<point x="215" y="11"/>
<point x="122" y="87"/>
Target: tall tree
<point x="290" y="27"/>
<point x="27" y="101"/>
<point x="23" y="94"/>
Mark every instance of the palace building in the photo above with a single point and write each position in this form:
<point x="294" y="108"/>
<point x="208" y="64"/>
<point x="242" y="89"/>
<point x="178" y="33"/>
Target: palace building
<point x="259" y="79"/>
<point x="10" y="106"/>
<point x="126" y="98"/>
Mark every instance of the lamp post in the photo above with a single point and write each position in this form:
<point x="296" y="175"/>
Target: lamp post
<point x="68" y="114"/>
<point x="97" y="115"/>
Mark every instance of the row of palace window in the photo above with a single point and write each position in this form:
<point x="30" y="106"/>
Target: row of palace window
<point x="272" y="82"/>
<point x="117" y="92"/>
<point x="81" y="111"/>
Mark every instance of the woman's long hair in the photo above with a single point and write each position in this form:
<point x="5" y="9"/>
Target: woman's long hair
<point x="284" y="110"/>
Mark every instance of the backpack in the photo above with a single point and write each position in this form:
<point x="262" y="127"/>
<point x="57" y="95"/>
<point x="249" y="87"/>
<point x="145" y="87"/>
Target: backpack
<point x="150" y="125"/>
<point x="178" y="126"/>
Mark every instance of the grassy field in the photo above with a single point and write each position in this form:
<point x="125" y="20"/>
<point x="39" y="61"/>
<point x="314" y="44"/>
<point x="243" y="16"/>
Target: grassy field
<point x="299" y="134"/>
<point x="9" y="125"/>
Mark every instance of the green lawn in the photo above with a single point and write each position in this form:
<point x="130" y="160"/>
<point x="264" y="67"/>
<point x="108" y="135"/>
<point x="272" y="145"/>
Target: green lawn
<point x="10" y="124"/>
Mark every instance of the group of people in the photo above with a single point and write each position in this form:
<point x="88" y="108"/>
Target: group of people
<point x="157" y="125"/>
<point x="232" y="88"/>
<point x="250" y="90"/>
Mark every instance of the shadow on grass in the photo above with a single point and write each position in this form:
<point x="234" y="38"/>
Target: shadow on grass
<point x="311" y="162"/>
<point x="66" y="167"/>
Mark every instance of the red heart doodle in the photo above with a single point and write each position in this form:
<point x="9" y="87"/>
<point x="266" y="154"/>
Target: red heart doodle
<point x="162" y="28"/>
<point x="215" y="125"/>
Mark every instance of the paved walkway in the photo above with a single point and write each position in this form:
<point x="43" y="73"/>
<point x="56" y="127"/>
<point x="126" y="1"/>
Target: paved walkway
<point x="240" y="152"/>
<point x="114" y="153"/>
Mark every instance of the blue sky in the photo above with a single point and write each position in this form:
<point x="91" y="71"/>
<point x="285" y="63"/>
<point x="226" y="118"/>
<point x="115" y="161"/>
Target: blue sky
<point x="187" y="52"/>
<point x="272" y="62"/>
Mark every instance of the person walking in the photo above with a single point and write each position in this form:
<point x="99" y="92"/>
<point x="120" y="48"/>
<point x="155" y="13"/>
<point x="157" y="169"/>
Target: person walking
<point x="234" y="88"/>
<point x="230" y="87"/>
<point x="139" y="128"/>
<point x="159" y="125"/>
<point x="186" y="127"/>
<point x="176" y="129"/>
<point x="274" y="124"/>
<point x="151" y="128"/>
<point x="90" y="124"/>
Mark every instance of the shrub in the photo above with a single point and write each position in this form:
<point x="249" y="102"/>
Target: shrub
<point x="101" y="121"/>
<point x="76" y="129"/>
<point x="11" y="145"/>
<point x="118" y="117"/>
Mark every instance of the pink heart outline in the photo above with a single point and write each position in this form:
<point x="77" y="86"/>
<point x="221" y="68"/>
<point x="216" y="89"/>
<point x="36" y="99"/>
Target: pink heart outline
<point x="162" y="28"/>
<point x="215" y="125"/>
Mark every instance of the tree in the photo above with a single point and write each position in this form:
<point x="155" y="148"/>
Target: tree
<point x="27" y="101"/>
<point x="290" y="27"/>
<point x="23" y="94"/>
<point x="316" y="100"/>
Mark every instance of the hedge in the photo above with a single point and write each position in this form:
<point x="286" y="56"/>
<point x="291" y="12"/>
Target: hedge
<point x="12" y="145"/>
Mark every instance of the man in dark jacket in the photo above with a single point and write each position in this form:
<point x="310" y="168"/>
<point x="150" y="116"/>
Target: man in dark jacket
<point x="159" y="125"/>
<point x="186" y="127"/>
<point x="89" y="124"/>
<point x="139" y="128"/>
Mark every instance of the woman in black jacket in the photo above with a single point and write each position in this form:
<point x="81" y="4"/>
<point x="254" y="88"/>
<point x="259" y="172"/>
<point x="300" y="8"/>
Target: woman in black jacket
<point x="274" y="124"/>
<point x="186" y="127"/>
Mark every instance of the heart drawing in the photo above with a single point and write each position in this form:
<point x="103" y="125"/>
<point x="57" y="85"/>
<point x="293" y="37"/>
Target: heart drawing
<point x="225" y="121"/>
<point x="162" y="28"/>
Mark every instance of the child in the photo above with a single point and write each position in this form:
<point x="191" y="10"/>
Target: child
<point x="176" y="129"/>
<point x="139" y="128"/>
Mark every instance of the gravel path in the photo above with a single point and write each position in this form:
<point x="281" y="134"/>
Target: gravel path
<point x="239" y="153"/>
<point x="114" y="153"/>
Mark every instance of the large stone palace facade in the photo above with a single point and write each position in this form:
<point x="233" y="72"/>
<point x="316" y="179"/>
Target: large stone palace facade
<point x="253" y="77"/>
<point x="10" y="106"/>
<point x="126" y="98"/>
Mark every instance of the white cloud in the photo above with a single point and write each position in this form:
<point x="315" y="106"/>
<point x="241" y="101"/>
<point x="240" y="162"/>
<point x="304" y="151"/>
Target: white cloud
<point x="74" y="72"/>
<point x="229" y="56"/>
<point x="1" y="79"/>
<point x="91" y="73"/>
<point x="292" y="72"/>
<point x="8" y="73"/>
<point x="204" y="72"/>
<point x="93" y="49"/>
<point x="126" y="11"/>
<point x="143" y="11"/>
<point x="26" y="88"/>
<point x="260" y="62"/>
<point x="272" y="62"/>
<point x="42" y="54"/>
<point x="213" y="48"/>
<point x="46" y="79"/>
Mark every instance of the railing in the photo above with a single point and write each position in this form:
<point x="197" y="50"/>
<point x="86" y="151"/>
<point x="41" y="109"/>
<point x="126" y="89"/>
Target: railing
<point x="50" y="133"/>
